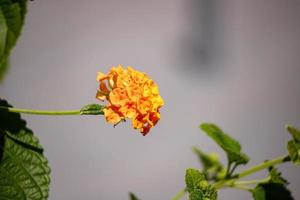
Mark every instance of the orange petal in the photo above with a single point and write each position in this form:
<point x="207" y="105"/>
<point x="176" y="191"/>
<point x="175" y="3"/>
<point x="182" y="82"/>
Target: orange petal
<point x="101" y="76"/>
<point x="118" y="97"/>
<point x="103" y="87"/>
<point x="111" y="116"/>
<point x="100" y="96"/>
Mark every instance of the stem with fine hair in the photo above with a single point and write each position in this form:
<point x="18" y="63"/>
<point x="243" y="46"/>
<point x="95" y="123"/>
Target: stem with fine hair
<point x="40" y="112"/>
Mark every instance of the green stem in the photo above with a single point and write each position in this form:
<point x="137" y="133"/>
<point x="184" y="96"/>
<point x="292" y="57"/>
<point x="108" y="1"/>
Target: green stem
<point x="247" y="172"/>
<point x="250" y="182"/>
<point x="228" y="169"/>
<point x="241" y="187"/>
<point x="263" y="165"/>
<point x="40" y="112"/>
<point x="232" y="169"/>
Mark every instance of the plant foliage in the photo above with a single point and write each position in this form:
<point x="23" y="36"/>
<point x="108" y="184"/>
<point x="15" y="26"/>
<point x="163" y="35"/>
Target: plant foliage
<point x="12" y="17"/>
<point x="198" y="187"/>
<point x="24" y="170"/>
<point x="231" y="146"/>
<point x="293" y="145"/>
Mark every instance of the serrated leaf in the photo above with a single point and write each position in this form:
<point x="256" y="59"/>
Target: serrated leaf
<point x="133" y="196"/>
<point x="24" y="170"/>
<point x="212" y="168"/>
<point x="231" y="146"/>
<point x="196" y="194"/>
<point x="294" y="151"/>
<point x="271" y="191"/>
<point x="276" y="177"/>
<point x="294" y="132"/>
<point x="92" y="109"/>
<point x="193" y="178"/>
<point x="198" y="187"/>
<point x="11" y="22"/>
<point x="293" y="146"/>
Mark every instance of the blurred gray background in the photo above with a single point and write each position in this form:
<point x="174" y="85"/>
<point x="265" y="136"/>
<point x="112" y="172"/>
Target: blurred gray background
<point x="234" y="63"/>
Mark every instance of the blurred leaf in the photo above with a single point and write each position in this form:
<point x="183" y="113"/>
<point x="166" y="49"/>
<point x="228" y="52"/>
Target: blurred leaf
<point x="24" y="171"/>
<point x="294" y="151"/>
<point x="3" y="33"/>
<point x="207" y="160"/>
<point x="293" y="146"/>
<point x="227" y="143"/>
<point x="198" y="187"/>
<point x="12" y="15"/>
<point x="212" y="168"/>
<point x="259" y="193"/>
<point x="92" y="109"/>
<point x="276" y="176"/>
<point x="294" y="132"/>
<point x="271" y="191"/>
<point x="133" y="196"/>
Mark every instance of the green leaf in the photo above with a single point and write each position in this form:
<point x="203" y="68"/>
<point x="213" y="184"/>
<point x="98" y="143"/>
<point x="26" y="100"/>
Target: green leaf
<point x="276" y="176"/>
<point x="294" y="151"/>
<point x="294" y="132"/>
<point x="212" y="168"/>
<point x="3" y="33"/>
<point x="92" y="109"/>
<point x="268" y="191"/>
<point x="271" y="191"/>
<point x="198" y="187"/>
<point x="293" y="146"/>
<point x="227" y="143"/>
<point x="24" y="170"/>
<point x="194" y="178"/>
<point x="196" y="194"/>
<point x="259" y="193"/>
<point x="12" y="15"/>
<point x="133" y="196"/>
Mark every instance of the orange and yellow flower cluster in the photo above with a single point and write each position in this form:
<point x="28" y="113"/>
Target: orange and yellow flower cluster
<point x="131" y="94"/>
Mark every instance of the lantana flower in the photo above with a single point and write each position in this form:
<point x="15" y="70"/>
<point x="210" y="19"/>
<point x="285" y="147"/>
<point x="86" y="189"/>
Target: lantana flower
<point x="131" y="95"/>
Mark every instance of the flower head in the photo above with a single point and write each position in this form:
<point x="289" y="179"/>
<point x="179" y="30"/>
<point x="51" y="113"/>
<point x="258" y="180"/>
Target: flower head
<point x="131" y="95"/>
